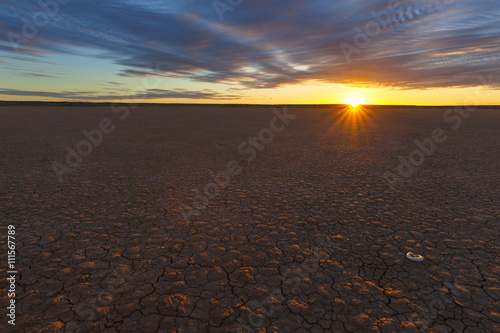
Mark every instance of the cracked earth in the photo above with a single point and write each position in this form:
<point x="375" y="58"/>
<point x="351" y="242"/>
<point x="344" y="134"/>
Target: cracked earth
<point x="307" y="238"/>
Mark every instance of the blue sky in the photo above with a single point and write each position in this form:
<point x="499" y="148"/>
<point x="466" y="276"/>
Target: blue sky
<point x="251" y="51"/>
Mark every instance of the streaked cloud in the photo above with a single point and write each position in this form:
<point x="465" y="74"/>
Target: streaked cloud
<point x="148" y="94"/>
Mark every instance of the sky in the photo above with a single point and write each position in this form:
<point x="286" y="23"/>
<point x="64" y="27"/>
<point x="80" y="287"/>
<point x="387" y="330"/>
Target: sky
<point x="419" y="52"/>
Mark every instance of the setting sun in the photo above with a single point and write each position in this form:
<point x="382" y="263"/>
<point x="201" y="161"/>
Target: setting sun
<point x="355" y="101"/>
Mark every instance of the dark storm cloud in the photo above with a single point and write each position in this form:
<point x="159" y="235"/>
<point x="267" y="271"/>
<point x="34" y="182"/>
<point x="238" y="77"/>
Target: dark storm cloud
<point x="267" y="44"/>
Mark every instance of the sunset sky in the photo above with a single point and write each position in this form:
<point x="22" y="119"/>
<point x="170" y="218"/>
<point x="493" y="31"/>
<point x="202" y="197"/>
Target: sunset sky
<point x="429" y="52"/>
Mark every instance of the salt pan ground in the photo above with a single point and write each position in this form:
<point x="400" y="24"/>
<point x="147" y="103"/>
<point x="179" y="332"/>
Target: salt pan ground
<point x="307" y="236"/>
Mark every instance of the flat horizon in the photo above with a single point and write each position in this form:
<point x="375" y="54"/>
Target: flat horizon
<point x="236" y="104"/>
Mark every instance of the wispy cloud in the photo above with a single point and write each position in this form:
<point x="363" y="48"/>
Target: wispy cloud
<point x="45" y="76"/>
<point x="150" y="94"/>
<point x="112" y="83"/>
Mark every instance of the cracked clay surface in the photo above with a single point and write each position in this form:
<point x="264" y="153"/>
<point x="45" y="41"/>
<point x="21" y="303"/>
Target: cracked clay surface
<point x="308" y="237"/>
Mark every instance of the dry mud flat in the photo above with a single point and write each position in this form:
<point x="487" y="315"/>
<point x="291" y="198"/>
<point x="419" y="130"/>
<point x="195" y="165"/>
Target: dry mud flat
<point x="303" y="234"/>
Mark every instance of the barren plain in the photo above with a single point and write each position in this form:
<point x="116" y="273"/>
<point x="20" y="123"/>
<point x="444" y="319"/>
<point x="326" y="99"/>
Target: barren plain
<point x="245" y="219"/>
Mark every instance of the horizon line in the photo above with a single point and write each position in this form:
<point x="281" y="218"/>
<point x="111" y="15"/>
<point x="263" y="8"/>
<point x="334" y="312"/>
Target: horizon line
<point x="18" y="103"/>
